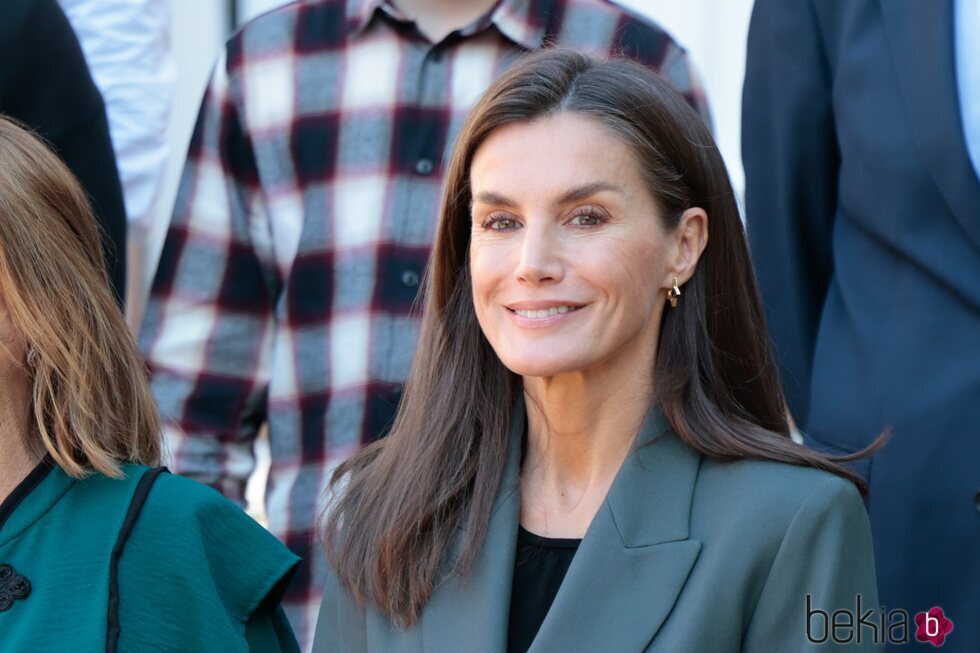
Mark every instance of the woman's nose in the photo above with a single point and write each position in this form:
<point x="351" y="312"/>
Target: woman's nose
<point x="540" y="256"/>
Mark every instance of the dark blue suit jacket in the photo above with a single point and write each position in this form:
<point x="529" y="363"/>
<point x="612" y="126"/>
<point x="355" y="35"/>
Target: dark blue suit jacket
<point x="45" y="84"/>
<point x="863" y="213"/>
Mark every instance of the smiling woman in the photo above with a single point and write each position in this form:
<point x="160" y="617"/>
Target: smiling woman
<point x="592" y="452"/>
<point x="570" y="266"/>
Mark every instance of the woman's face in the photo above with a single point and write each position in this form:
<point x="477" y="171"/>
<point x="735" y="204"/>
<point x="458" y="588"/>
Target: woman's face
<point x="568" y="259"/>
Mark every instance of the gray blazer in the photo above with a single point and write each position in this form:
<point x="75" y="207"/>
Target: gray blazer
<point x="686" y="554"/>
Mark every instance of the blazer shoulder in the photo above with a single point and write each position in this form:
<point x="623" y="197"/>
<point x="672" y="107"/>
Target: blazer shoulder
<point x="771" y="494"/>
<point x="758" y="520"/>
<point x="342" y="624"/>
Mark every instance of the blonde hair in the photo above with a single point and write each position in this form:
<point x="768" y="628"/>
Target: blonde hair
<point x="91" y="403"/>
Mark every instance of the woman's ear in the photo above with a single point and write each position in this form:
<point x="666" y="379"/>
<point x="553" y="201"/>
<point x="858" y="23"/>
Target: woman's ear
<point x="690" y="239"/>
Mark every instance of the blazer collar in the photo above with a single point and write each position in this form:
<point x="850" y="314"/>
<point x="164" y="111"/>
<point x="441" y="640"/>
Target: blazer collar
<point x="920" y="36"/>
<point x="625" y="577"/>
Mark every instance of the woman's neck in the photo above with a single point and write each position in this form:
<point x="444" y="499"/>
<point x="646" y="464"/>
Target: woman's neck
<point x="580" y="430"/>
<point x="16" y="458"/>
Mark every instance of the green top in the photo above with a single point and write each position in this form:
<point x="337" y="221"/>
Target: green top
<point x="194" y="574"/>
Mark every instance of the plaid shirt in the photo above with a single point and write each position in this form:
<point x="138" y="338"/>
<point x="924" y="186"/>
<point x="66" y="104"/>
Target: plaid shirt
<point x="303" y="223"/>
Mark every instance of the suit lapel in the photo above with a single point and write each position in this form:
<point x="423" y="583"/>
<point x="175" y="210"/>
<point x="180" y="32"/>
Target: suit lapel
<point x="624" y="579"/>
<point x="920" y="35"/>
<point x="478" y="604"/>
<point x="636" y="555"/>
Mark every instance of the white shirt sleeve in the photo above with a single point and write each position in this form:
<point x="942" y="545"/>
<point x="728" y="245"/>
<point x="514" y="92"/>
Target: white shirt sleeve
<point x="127" y="47"/>
<point x="968" y="74"/>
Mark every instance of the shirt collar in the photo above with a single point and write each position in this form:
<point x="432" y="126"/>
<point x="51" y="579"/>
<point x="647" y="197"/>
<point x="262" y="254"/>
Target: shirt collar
<point x="359" y="13"/>
<point x="522" y="21"/>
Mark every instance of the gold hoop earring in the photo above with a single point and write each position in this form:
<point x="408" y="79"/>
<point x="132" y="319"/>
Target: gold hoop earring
<point x="673" y="294"/>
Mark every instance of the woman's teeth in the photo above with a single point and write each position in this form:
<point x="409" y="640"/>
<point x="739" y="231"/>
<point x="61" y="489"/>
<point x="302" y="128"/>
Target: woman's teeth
<point x="547" y="312"/>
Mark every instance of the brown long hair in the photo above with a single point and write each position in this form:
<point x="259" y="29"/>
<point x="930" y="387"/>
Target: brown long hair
<point x="91" y="403"/>
<point x="390" y="529"/>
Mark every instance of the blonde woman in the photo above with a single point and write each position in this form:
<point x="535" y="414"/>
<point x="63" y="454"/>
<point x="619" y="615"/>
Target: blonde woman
<point x="99" y="551"/>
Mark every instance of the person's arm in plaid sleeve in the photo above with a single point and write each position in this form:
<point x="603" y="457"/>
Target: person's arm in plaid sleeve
<point x="209" y="322"/>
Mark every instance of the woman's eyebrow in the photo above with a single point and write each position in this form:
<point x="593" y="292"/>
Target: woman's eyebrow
<point x="574" y="195"/>
<point x="588" y="190"/>
<point x="496" y="199"/>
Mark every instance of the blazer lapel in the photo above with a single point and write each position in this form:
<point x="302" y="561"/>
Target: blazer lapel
<point x="920" y="35"/>
<point x="470" y="613"/>
<point x="636" y="555"/>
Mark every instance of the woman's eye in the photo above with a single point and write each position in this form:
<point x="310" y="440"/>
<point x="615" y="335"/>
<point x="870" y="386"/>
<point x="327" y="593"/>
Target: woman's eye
<point x="499" y="224"/>
<point x="587" y="220"/>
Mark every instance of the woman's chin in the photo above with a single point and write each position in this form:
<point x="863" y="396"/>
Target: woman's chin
<point x="543" y="367"/>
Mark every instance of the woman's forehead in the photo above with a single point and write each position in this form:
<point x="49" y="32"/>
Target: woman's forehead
<point x="551" y="157"/>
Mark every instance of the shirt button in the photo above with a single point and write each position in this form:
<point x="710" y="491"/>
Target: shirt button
<point x="423" y="166"/>
<point x="410" y="278"/>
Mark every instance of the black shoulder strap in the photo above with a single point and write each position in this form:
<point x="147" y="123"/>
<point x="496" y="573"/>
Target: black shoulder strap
<point x="135" y="506"/>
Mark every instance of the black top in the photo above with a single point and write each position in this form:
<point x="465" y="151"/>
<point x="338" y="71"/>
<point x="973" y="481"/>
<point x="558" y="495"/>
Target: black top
<point x="539" y="568"/>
